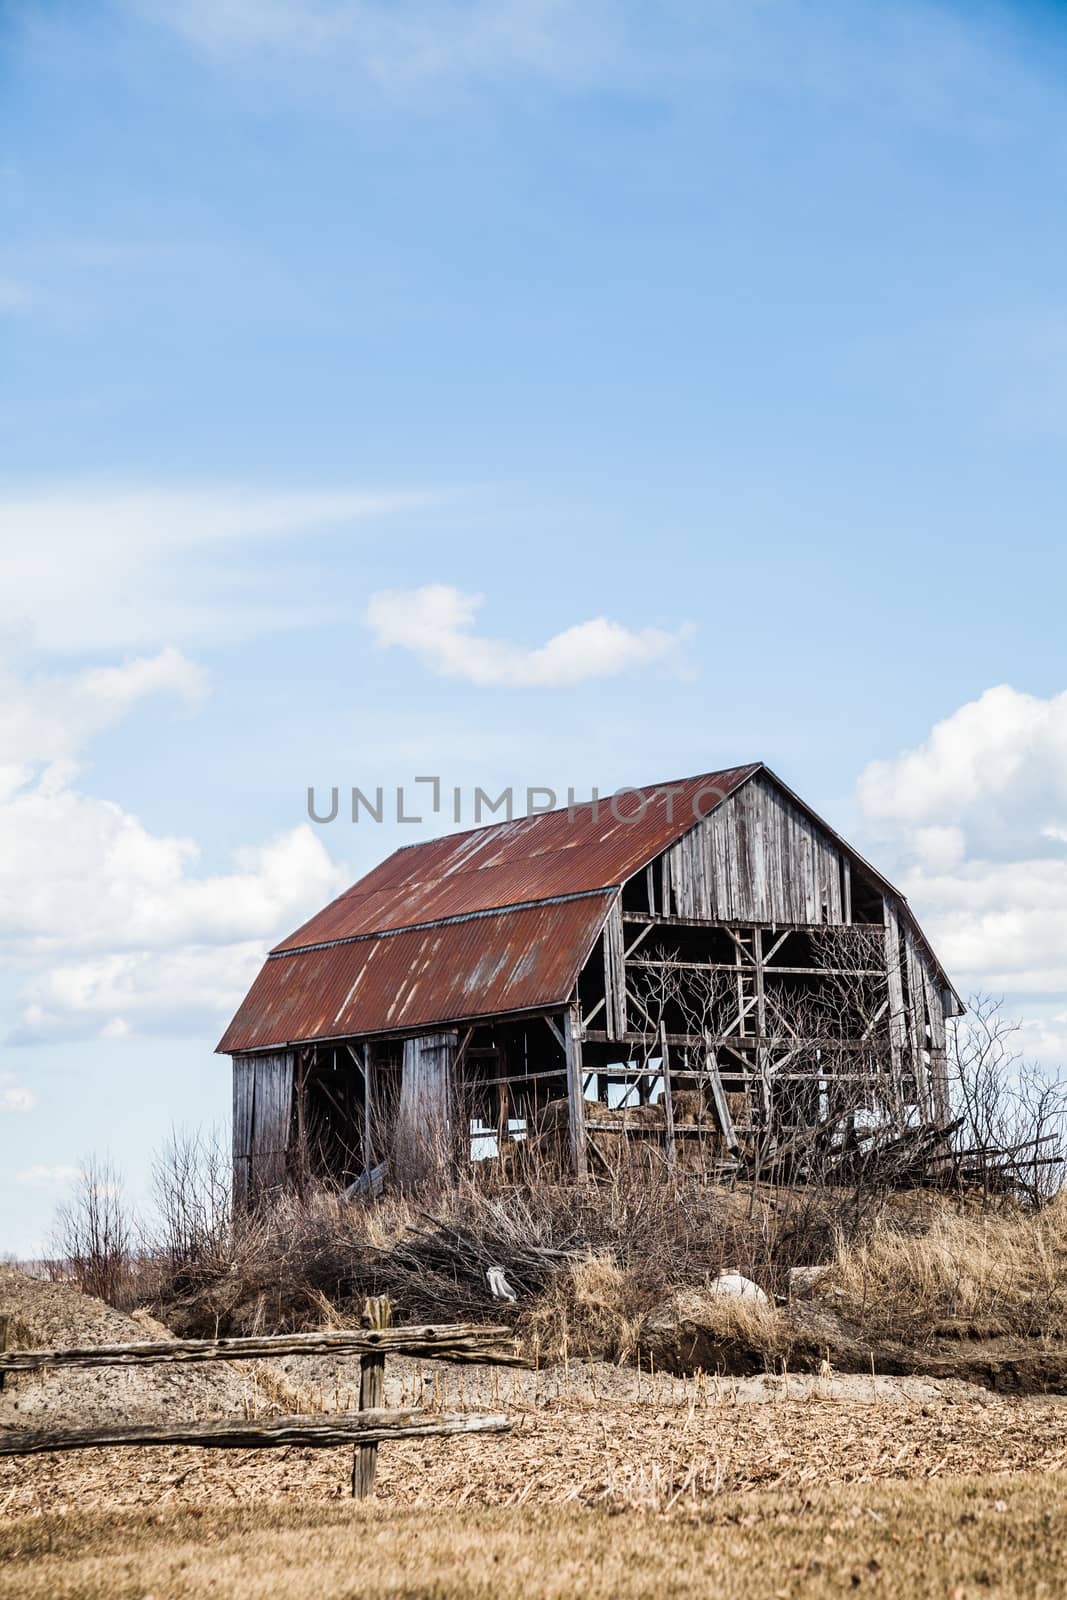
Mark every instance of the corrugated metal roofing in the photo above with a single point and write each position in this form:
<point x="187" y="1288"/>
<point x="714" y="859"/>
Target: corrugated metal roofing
<point x="468" y="925"/>
<point x="514" y="960"/>
<point x="512" y="863"/>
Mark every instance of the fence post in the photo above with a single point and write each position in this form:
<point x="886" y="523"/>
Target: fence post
<point x="5" y="1334"/>
<point x="377" y="1314"/>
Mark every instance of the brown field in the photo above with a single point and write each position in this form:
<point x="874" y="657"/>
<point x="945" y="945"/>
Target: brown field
<point x="957" y="1538"/>
<point x="892" y="1487"/>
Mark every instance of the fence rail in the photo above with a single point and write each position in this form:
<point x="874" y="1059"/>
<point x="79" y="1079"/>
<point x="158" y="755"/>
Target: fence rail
<point x="459" y="1342"/>
<point x="364" y="1428"/>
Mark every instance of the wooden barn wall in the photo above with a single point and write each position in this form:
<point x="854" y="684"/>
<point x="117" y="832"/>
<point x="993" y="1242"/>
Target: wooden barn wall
<point x="757" y="858"/>
<point x="425" y="1090"/>
<point x="262" y="1116"/>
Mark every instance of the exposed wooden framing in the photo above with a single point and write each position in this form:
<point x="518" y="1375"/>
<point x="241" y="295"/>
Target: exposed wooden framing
<point x="668" y="1101"/>
<point x="572" y="1044"/>
<point x="463" y="1048"/>
<point x="556" y="1034"/>
<point x="368" y="1108"/>
<point x="748" y="1040"/>
<point x="718" y="1095"/>
<point x="601" y="1005"/>
<point x="936" y="1010"/>
<point x="917" y="1022"/>
<point x="783" y="972"/>
<point x="614" y="971"/>
<point x="641" y="937"/>
<point x="515" y="1080"/>
<point x="897" y="1015"/>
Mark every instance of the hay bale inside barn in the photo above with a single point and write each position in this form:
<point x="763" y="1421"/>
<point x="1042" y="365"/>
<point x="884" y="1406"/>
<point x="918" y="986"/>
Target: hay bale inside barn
<point x="705" y="966"/>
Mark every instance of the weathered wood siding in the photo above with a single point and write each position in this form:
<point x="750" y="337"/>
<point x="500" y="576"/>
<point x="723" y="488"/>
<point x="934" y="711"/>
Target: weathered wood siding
<point x="422" y="1135"/>
<point x="262" y="1117"/>
<point x="758" y="858"/>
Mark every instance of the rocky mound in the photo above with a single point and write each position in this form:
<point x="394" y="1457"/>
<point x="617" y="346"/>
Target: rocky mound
<point x="58" y="1315"/>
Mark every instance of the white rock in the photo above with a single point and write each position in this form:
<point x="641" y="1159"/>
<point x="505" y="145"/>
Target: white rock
<point x="733" y="1283"/>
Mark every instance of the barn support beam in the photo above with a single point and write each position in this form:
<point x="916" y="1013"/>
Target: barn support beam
<point x="572" y="1045"/>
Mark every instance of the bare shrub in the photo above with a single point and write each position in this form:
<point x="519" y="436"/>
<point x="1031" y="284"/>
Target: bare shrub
<point x="93" y="1233"/>
<point x="191" y="1189"/>
<point x="1013" y="1134"/>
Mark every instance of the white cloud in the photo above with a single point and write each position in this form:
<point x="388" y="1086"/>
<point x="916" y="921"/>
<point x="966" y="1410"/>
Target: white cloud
<point x="41" y="1176"/>
<point x="975" y="819"/>
<point x="117" y="932"/>
<point x="15" y="1096"/>
<point x="436" y="624"/>
<point x="113" y="928"/>
<point x="51" y="718"/>
<point x="996" y="769"/>
<point x="90" y="567"/>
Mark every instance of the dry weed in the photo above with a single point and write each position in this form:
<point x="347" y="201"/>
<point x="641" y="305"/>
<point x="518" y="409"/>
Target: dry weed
<point x="997" y="1272"/>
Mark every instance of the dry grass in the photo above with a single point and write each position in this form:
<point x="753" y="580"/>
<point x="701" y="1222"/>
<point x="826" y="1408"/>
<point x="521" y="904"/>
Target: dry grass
<point x="955" y="1539"/>
<point x="992" y="1272"/>
<point x="591" y="1307"/>
<point x="759" y="1325"/>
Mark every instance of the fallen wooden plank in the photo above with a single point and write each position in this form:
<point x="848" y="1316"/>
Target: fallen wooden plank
<point x="461" y="1342"/>
<point x="316" y="1432"/>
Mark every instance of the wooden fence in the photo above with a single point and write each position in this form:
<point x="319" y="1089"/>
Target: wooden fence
<point x="364" y="1428"/>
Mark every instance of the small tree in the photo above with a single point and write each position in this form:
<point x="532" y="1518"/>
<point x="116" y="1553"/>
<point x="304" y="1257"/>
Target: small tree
<point x="93" y="1232"/>
<point x="1013" y="1132"/>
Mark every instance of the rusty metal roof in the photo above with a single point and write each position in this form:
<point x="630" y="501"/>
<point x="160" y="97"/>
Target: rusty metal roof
<point x="500" y="961"/>
<point x="496" y="919"/>
<point x="513" y="863"/>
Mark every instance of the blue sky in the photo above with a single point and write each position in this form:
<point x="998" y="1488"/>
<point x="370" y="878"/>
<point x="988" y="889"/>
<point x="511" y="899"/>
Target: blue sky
<point x="727" y="341"/>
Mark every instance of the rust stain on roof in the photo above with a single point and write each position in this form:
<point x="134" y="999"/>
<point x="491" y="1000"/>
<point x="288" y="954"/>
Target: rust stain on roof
<point x="514" y="863"/>
<point x="497" y="919"/>
<point x="516" y="960"/>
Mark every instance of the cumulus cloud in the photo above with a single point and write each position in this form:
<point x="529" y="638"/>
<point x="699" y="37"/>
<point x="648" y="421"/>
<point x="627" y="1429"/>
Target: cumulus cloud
<point x="995" y="770"/>
<point x="436" y="623"/>
<point x="975" y="818"/>
<point x="112" y="928"/>
<point x="46" y="718"/>
<point x="117" y="932"/>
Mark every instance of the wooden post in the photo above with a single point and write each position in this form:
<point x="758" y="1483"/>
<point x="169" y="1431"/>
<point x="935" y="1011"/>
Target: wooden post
<point x="377" y="1314"/>
<point x="718" y="1095"/>
<point x="5" y="1339"/>
<point x="575" y="1093"/>
<point x="668" y="1101"/>
<point x="368" y="1110"/>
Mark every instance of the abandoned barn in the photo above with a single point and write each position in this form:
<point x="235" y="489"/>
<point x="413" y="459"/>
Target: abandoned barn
<point x="704" y="968"/>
